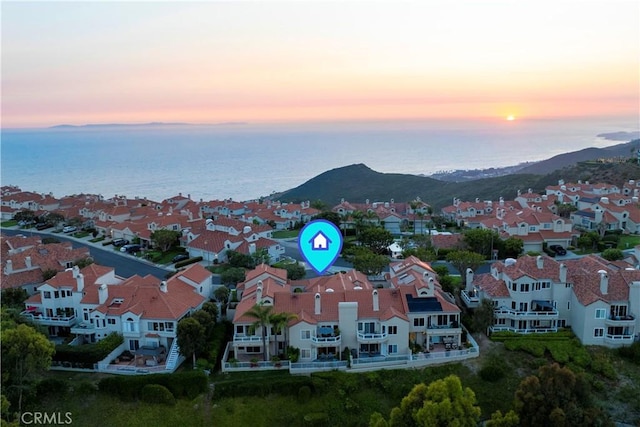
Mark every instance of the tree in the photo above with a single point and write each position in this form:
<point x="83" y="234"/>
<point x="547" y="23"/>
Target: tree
<point x="556" y="396"/>
<point x="564" y="209"/>
<point x="510" y="419"/>
<point x="369" y="262"/>
<point x="240" y="260"/>
<point x="212" y="308"/>
<point x="83" y="262"/>
<point x="233" y="275"/>
<point x="207" y="321"/>
<point x="483" y="316"/>
<point x="14" y="298"/>
<point x="191" y="337"/>
<point x="462" y="260"/>
<point x="333" y="217"/>
<point x="25" y="354"/>
<point x="261" y="256"/>
<point x="26" y="215"/>
<point x="427" y="255"/>
<point x="588" y="240"/>
<point x="295" y="271"/>
<point x="319" y="205"/>
<point x="481" y="240"/>
<point x="442" y="403"/>
<point x="53" y="218"/>
<point x="222" y="294"/>
<point x="612" y="254"/>
<point x="48" y="274"/>
<point x="280" y="322"/>
<point x="262" y="314"/>
<point x="513" y="247"/>
<point x="165" y="239"/>
<point x="377" y="239"/>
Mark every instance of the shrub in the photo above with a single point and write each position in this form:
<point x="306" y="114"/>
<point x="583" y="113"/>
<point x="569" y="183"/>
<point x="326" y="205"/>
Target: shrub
<point x="304" y="394"/>
<point x="492" y="371"/>
<point x="52" y="387"/>
<point x="156" y="393"/>
<point x="84" y="356"/>
<point x="183" y="384"/>
<point x="631" y="352"/>
<point x="188" y="262"/>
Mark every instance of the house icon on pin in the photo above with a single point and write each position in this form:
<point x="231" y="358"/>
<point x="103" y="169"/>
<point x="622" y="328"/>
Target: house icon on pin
<point x="320" y="242"/>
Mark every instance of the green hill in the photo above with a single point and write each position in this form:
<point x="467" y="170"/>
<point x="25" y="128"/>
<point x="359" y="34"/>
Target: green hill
<point x="357" y="182"/>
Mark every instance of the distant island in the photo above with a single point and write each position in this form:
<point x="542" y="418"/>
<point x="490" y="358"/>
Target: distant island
<point x="620" y="136"/>
<point x="110" y="125"/>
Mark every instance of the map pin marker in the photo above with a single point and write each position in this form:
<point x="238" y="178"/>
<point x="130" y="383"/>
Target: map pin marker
<point x="320" y="243"/>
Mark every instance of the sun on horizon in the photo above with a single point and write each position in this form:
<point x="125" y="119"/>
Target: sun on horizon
<point x="511" y="117"/>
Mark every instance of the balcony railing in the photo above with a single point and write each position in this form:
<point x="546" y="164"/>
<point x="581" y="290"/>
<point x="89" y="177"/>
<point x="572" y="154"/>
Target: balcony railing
<point x="521" y="315"/>
<point x="83" y="328"/>
<point x="537" y="330"/>
<point x="470" y="299"/>
<point x="247" y="338"/>
<point x="371" y="337"/>
<point x="619" y="339"/>
<point x="334" y="340"/>
<point x="50" y="320"/>
<point x="627" y="320"/>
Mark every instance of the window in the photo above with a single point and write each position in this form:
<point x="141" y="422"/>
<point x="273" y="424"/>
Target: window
<point x="56" y="294"/>
<point x="46" y="294"/>
<point x="111" y="321"/>
<point x="392" y="349"/>
<point x="168" y="326"/>
<point x="305" y="353"/>
<point x="524" y="287"/>
<point x="305" y="334"/>
<point x="418" y="321"/>
<point x="392" y="330"/>
<point x="546" y="285"/>
<point x="537" y="286"/>
<point x="598" y="332"/>
<point x="567" y="285"/>
<point x="134" y="345"/>
<point x="601" y="313"/>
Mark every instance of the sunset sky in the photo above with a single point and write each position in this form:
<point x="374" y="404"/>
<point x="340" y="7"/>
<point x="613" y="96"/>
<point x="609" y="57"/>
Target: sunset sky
<point x="210" y="62"/>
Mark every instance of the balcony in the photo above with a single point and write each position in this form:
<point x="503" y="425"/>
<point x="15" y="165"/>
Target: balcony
<point x="504" y="312"/>
<point x="470" y="299"/>
<point x="373" y="337"/>
<point x="618" y="339"/>
<point x="247" y="339"/>
<point x="448" y="329"/>
<point x="84" y="328"/>
<point x="621" y="321"/>
<point x="49" y="320"/>
<point x="330" y="341"/>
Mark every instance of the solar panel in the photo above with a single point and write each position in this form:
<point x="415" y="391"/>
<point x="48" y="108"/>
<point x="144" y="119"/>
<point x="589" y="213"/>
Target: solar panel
<point x="417" y="305"/>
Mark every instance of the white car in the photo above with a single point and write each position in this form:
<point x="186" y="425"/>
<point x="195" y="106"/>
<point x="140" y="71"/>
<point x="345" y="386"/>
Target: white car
<point x="69" y="229"/>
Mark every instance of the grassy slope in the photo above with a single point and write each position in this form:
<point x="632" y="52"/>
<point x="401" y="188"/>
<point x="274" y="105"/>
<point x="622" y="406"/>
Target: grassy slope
<point x="349" y="399"/>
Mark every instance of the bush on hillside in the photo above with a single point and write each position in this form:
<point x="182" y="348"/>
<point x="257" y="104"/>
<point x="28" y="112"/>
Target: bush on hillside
<point x="156" y="393"/>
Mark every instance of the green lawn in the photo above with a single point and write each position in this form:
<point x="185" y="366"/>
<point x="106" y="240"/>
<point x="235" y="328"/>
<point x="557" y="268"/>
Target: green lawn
<point x="10" y="223"/>
<point x="628" y="241"/>
<point x="285" y="234"/>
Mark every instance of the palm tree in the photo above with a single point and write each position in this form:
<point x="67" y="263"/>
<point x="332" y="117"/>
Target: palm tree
<point x="280" y="321"/>
<point x="262" y="314"/>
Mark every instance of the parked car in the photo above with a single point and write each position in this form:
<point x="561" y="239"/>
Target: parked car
<point x="120" y="242"/>
<point x="559" y="250"/>
<point x="130" y="248"/>
<point x="43" y="226"/>
<point x="69" y="229"/>
<point x="179" y="257"/>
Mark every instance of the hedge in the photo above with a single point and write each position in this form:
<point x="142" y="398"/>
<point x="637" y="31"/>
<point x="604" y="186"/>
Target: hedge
<point x="87" y="354"/>
<point x="156" y="393"/>
<point x="287" y="385"/>
<point x="187" y="262"/>
<point x="183" y="384"/>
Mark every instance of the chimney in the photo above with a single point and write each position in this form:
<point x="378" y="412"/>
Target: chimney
<point x="103" y="294"/>
<point x="75" y="271"/>
<point x="604" y="282"/>
<point x="9" y="268"/>
<point x="563" y="273"/>
<point x="252" y="248"/>
<point x="376" y="303"/>
<point x="163" y="286"/>
<point x="540" y="262"/>
<point x="80" y="282"/>
<point x="317" y="304"/>
<point x="259" y="294"/>
<point x="27" y="261"/>
<point x="469" y="278"/>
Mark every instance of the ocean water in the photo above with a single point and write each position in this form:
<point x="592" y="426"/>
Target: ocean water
<point x="246" y="161"/>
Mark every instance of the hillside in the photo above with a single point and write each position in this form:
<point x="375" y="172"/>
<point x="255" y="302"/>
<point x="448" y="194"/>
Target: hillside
<point x="568" y="159"/>
<point x="358" y="182"/>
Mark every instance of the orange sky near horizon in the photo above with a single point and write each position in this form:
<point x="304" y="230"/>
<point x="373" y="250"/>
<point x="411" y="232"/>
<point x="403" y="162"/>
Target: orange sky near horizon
<point x="215" y="62"/>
